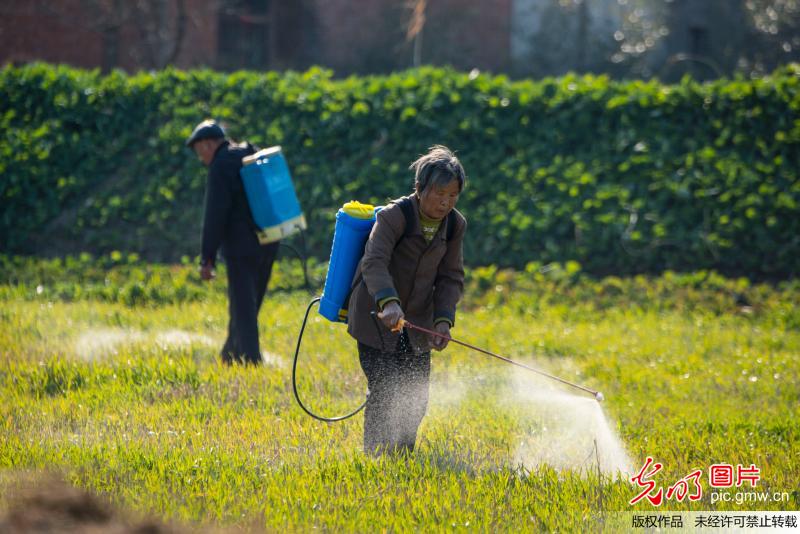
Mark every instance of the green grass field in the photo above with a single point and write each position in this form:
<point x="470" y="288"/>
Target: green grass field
<point x="129" y="401"/>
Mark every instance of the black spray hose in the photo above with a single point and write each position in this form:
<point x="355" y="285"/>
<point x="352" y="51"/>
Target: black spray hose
<point x="294" y="376"/>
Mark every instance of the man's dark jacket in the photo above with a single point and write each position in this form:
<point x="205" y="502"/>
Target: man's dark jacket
<point x="227" y="222"/>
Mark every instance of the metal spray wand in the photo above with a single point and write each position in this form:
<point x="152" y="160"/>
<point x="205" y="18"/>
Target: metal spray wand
<point x="403" y="323"/>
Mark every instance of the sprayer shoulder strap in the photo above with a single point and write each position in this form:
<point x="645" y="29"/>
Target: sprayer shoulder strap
<point x="407" y="207"/>
<point x="408" y="213"/>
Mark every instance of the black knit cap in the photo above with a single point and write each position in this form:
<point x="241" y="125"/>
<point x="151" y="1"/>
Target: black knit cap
<point x="208" y="129"/>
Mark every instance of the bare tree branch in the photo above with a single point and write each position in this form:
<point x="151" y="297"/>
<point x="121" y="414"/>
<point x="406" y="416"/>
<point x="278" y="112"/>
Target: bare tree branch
<point x="415" y="26"/>
<point x="180" y="32"/>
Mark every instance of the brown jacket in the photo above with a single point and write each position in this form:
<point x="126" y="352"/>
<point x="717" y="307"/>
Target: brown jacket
<point x="428" y="278"/>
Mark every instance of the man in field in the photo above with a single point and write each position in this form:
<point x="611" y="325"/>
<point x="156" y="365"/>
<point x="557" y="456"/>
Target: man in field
<point x="228" y="226"/>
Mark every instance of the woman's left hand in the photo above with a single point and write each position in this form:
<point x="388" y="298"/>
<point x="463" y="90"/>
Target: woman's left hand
<point x="439" y="343"/>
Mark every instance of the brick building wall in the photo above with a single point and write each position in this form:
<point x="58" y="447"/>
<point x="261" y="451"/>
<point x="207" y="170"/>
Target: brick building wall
<point x="371" y="36"/>
<point x="357" y="36"/>
<point x="467" y="34"/>
<point x="349" y="36"/>
<point x="28" y="32"/>
<point x="70" y="32"/>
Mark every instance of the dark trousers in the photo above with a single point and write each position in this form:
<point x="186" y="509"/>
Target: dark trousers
<point x="397" y="396"/>
<point x="248" y="277"/>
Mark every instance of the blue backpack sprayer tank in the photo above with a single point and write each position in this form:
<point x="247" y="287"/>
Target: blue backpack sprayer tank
<point x="272" y="199"/>
<point x="354" y="223"/>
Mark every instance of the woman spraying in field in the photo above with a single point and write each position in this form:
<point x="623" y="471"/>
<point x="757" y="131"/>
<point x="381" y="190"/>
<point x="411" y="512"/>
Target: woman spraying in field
<point x="412" y="267"/>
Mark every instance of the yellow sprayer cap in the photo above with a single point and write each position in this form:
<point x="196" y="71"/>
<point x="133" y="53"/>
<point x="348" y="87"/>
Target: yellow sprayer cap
<point x="358" y="210"/>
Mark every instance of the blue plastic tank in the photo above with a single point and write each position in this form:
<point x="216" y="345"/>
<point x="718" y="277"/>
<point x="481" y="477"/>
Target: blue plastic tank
<point x="354" y="222"/>
<point x="270" y="193"/>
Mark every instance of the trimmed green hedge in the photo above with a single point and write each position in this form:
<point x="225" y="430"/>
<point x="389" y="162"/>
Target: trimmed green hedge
<point x="622" y="177"/>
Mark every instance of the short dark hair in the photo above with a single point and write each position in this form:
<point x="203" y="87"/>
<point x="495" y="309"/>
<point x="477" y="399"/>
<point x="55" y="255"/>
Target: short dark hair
<point x="438" y="167"/>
